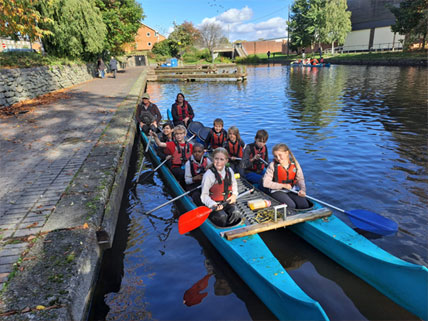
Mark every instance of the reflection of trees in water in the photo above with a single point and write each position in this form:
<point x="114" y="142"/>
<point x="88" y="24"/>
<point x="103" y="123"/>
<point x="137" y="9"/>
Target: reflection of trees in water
<point x="314" y="95"/>
<point x="396" y="98"/>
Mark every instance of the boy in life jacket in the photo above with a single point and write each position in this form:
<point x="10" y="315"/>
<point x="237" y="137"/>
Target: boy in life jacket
<point x="182" y="112"/>
<point x="219" y="191"/>
<point x="235" y="147"/>
<point x="284" y="174"/>
<point x="195" y="168"/>
<point x="252" y="160"/>
<point x="179" y="149"/>
<point x="217" y="136"/>
<point x="165" y="136"/>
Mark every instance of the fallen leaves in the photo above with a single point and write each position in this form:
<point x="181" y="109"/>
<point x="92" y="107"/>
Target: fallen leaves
<point x="27" y="106"/>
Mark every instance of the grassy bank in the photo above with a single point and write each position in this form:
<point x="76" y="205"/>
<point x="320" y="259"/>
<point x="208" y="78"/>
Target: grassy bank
<point x="32" y="59"/>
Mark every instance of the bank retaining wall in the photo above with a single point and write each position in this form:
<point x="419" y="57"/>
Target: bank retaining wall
<point x="26" y="83"/>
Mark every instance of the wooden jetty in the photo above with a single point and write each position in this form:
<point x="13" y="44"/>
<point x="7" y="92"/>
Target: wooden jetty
<point x="215" y="72"/>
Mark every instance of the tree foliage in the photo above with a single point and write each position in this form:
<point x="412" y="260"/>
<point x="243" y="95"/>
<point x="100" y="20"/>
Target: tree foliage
<point x="21" y="18"/>
<point x="211" y="33"/>
<point x="122" y="19"/>
<point x="77" y="28"/>
<point x="411" y="20"/>
<point x="167" y="47"/>
<point x="316" y="21"/>
<point x="336" y="22"/>
<point x="185" y="34"/>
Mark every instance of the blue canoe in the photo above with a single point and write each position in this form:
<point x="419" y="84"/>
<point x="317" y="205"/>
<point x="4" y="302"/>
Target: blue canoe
<point x="404" y="283"/>
<point x="253" y="261"/>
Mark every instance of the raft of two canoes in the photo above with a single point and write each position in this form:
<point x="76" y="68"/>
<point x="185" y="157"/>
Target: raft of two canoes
<point x="403" y="282"/>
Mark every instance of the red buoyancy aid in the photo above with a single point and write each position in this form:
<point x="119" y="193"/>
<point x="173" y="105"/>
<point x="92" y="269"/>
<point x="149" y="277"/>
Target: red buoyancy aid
<point x="222" y="189"/>
<point x="285" y="175"/>
<point x="315" y="62"/>
<point x="217" y="140"/>
<point x="258" y="166"/>
<point x="234" y="149"/>
<point x="183" y="111"/>
<point x="181" y="154"/>
<point x="198" y="168"/>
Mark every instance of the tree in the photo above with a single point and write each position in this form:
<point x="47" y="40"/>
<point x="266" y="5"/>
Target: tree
<point x="411" y="20"/>
<point x="337" y="23"/>
<point x="211" y="33"/>
<point x="300" y="26"/>
<point x="122" y="19"/>
<point x="185" y="34"/>
<point x="20" y="18"/>
<point x="77" y="28"/>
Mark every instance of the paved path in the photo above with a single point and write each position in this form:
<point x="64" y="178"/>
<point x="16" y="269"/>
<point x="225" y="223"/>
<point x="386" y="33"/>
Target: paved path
<point x="42" y="150"/>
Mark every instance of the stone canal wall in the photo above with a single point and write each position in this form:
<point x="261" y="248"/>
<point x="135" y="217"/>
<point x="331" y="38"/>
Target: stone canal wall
<point x="20" y="84"/>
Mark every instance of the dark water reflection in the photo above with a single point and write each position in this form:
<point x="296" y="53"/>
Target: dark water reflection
<point x="360" y="134"/>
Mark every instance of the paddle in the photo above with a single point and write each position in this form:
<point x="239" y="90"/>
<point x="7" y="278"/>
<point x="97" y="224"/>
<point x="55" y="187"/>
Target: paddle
<point x="172" y="200"/>
<point x="365" y="220"/>
<point x="149" y="173"/>
<point x="196" y="217"/>
<point x="144" y="157"/>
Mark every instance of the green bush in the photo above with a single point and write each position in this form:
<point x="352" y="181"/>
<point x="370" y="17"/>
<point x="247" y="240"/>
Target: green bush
<point x="251" y="59"/>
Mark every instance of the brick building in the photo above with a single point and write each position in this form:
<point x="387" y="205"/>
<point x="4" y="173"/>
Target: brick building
<point x="263" y="46"/>
<point x="145" y="39"/>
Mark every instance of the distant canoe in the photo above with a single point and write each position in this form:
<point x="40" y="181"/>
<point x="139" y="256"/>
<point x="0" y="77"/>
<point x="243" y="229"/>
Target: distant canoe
<point x="317" y="65"/>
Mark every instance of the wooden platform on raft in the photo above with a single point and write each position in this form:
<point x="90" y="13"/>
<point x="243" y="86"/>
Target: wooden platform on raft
<point x="217" y="72"/>
<point x="253" y="226"/>
<point x="267" y="226"/>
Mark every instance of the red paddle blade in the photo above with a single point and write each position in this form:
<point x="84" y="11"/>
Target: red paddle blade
<point x="193" y="219"/>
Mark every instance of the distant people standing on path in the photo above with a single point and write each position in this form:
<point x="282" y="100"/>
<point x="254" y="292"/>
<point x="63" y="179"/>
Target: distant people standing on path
<point x="148" y="115"/>
<point x="303" y="53"/>
<point x="268" y="54"/>
<point x="182" y="112"/>
<point x="320" y="52"/>
<point x="101" y="66"/>
<point x="113" y="66"/>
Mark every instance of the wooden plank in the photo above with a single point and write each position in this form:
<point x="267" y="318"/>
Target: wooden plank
<point x="267" y="226"/>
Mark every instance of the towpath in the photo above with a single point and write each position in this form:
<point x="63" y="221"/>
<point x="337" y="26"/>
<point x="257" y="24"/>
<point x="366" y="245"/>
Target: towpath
<point x="42" y="150"/>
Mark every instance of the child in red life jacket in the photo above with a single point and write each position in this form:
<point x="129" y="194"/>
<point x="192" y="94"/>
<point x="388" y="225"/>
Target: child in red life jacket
<point x="182" y="112"/>
<point x="254" y="154"/>
<point x="195" y="168"/>
<point x="217" y="136"/>
<point x="283" y="174"/>
<point x="179" y="149"/>
<point x="220" y="189"/>
<point x="235" y="147"/>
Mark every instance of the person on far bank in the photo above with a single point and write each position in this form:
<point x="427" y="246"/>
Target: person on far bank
<point x="179" y="149"/>
<point x="101" y="66"/>
<point x="194" y="169"/>
<point x="252" y="160"/>
<point x="182" y="112"/>
<point x="217" y="135"/>
<point x="113" y="66"/>
<point x="268" y="54"/>
<point x="235" y="147"/>
<point x="148" y="115"/>
<point x="284" y="174"/>
<point x="220" y="190"/>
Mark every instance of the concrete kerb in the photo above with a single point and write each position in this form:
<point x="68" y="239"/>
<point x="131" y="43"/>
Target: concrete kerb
<point x="58" y="272"/>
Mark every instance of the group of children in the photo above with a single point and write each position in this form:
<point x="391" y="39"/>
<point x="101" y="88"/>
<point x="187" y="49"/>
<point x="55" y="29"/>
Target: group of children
<point x="193" y="169"/>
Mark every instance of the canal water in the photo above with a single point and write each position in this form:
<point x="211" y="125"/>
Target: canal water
<point x="360" y="135"/>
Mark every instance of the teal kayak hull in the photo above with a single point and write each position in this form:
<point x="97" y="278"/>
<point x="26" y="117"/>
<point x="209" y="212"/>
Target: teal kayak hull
<point x="404" y="283"/>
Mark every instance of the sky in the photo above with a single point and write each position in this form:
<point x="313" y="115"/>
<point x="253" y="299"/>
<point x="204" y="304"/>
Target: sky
<point x="240" y="19"/>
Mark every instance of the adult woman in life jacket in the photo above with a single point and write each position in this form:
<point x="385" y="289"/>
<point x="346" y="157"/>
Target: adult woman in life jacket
<point x="194" y="169"/>
<point x="235" y="147"/>
<point x="179" y="149"/>
<point x="284" y="174"/>
<point x="182" y="112"/>
<point x="218" y="186"/>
